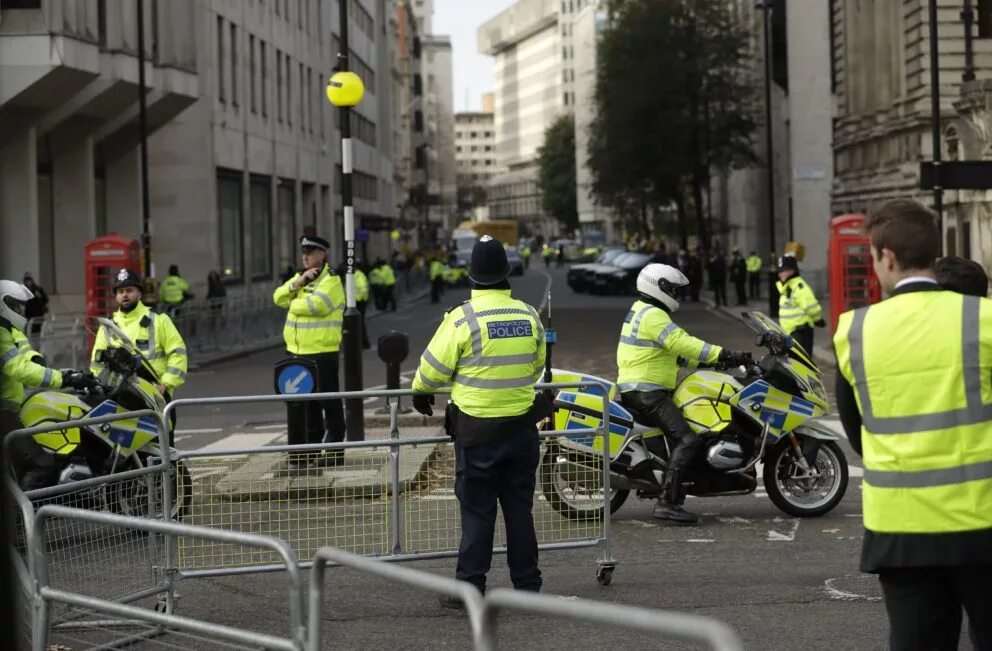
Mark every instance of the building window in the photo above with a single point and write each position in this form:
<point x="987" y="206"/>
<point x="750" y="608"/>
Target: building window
<point x="984" y="18"/>
<point x="251" y="74"/>
<point x="418" y="85"/>
<point x="261" y="228"/>
<point x="286" y="195"/>
<point x="265" y="78"/>
<point x="310" y="99"/>
<point x="229" y="218"/>
<point x="289" y="91"/>
<point x="418" y="121"/>
<point x="220" y="60"/>
<point x="280" y="95"/>
<point x="234" y="66"/>
<point x="20" y="4"/>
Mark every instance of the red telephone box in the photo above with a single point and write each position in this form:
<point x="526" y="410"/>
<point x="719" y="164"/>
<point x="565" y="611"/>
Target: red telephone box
<point x="105" y="256"/>
<point x="852" y="279"/>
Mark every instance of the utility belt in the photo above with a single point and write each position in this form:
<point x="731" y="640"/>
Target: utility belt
<point x="471" y="431"/>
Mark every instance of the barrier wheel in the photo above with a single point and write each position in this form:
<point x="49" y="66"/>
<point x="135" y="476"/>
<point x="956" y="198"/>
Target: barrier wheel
<point x="604" y="575"/>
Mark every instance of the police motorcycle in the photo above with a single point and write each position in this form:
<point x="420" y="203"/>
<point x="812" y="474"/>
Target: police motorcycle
<point x="763" y="414"/>
<point x="127" y="382"/>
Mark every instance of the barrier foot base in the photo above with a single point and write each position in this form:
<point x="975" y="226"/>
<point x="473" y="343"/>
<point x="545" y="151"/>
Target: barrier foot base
<point x="604" y="573"/>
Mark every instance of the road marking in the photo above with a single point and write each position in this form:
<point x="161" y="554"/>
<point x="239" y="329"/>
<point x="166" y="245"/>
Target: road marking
<point x="243" y="440"/>
<point x="281" y="426"/>
<point x="734" y="520"/>
<point x="843" y="595"/>
<point x="775" y="536"/>
<point x="701" y="540"/>
<point x="205" y="430"/>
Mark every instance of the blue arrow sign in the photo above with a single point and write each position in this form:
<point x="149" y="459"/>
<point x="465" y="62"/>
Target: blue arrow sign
<point x="295" y="378"/>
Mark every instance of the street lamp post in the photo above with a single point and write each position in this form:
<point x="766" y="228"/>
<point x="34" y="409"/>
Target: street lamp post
<point x="345" y="90"/>
<point x="766" y="7"/>
<point x="938" y="190"/>
<point x="146" y="238"/>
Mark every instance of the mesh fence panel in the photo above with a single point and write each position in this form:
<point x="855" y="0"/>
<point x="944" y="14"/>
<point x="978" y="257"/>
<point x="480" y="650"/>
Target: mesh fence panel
<point x="97" y="560"/>
<point x="308" y="499"/>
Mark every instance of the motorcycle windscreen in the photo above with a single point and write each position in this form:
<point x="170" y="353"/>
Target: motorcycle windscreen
<point x="130" y="434"/>
<point x="762" y="324"/>
<point x="574" y="411"/>
<point x="54" y="407"/>
<point x="781" y="411"/>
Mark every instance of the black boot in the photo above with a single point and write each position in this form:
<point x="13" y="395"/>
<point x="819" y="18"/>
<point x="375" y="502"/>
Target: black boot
<point x="669" y="506"/>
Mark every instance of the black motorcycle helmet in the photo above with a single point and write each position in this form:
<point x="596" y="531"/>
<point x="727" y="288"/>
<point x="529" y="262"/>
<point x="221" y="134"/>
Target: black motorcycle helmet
<point x="489" y="263"/>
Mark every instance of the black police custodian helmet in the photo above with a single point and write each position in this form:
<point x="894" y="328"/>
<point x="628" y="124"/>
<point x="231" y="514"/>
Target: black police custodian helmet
<point x="787" y="262"/>
<point x="489" y="263"/>
<point x="127" y="278"/>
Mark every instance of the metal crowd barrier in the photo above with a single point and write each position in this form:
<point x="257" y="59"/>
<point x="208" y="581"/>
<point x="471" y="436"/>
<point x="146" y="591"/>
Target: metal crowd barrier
<point x="409" y="511"/>
<point x="148" y="623"/>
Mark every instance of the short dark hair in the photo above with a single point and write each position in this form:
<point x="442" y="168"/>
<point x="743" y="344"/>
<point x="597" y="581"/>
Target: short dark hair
<point x="962" y="275"/>
<point x="909" y="230"/>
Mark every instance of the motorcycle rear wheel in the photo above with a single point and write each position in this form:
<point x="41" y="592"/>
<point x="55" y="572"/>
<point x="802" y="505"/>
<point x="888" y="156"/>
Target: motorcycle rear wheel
<point x="803" y="497"/>
<point x="576" y="497"/>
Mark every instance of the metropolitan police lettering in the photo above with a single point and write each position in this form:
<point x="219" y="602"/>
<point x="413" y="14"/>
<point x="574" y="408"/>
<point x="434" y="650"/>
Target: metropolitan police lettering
<point x="510" y="329"/>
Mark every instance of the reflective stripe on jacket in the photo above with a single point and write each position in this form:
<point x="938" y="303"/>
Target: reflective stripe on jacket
<point x="313" y="323"/>
<point x="797" y="305"/>
<point x="650" y="347"/>
<point x="921" y="367"/>
<point x="491" y="351"/>
<point x="155" y="336"/>
<point x="17" y="370"/>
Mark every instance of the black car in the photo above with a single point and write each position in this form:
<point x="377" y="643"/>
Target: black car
<point x="621" y="276"/>
<point x="580" y="275"/>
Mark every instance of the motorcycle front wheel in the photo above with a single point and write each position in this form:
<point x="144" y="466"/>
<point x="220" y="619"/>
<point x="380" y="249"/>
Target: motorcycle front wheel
<point x="804" y="494"/>
<point x="131" y="496"/>
<point x="572" y="483"/>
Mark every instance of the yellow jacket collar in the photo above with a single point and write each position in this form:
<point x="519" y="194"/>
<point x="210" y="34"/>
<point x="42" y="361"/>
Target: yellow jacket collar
<point x="139" y="312"/>
<point x="479" y="293"/>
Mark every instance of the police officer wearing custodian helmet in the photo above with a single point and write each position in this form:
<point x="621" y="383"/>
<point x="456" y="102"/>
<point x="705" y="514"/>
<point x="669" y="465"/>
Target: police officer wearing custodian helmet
<point x="915" y="398"/>
<point x="491" y="351"/>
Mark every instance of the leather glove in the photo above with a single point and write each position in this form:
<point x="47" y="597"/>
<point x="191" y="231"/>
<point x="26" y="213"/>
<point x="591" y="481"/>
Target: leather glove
<point x="78" y="379"/>
<point x="733" y="359"/>
<point x="820" y="323"/>
<point x="422" y="403"/>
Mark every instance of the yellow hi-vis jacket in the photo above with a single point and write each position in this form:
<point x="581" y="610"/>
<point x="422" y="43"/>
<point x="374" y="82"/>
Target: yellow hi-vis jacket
<point x="797" y="305"/>
<point x="361" y="286"/>
<point x="375" y="276"/>
<point x="387" y="275"/>
<point x="155" y="336"/>
<point x="753" y="264"/>
<point x="920" y="365"/>
<point x="491" y="350"/>
<point x="436" y="270"/>
<point x="316" y="310"/>
<point x="17" y="370"/>
<point x="173" y="289"/>
<point x="650" y="347"/>
<point x="24" y="345"/>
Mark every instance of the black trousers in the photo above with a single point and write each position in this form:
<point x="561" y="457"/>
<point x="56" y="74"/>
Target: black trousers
<point x="33" y="467"/>
<point x="362" y="306"/>
<point x="804" y="336"/>
<point x="503" y="471"/>
<point x="754" y="281"/>
<point x="389" y="298"/>
<point x="319" y="421"/>
<point x="924" y="606"/>
<point x="741" y="286"/>
<point x="436" y="286"/>
<point x="719" y="292"/>
<point x="656" y="408"/>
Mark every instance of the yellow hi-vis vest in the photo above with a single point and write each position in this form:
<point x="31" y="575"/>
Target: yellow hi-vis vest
<point x="753" y="264"/>
<point x="18" y="369"/>
<point x="436" y="270"/>
<point x="491" y="350"/>
<point x="361" y="286"/>
<point x="921" y="367"/>
<point x="650" y="347"/>
<point x="155" y="336"/>
<point x="313" y="324"/>
<point x="797" y="305"/>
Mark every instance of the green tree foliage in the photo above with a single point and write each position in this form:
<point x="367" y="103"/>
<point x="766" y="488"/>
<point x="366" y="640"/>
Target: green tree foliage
<point x="556" y="172"/>
<point x="673" y="100"/>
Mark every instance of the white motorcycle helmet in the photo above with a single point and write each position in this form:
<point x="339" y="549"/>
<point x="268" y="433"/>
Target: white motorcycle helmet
<point x="660" y="282"/>
<point x="13" y="296"/>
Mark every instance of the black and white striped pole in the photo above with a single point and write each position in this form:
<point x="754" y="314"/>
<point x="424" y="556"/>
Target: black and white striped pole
<point x="345" y="90"/>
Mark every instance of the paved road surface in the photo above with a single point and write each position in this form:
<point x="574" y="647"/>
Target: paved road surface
<point x="781" y="582"/>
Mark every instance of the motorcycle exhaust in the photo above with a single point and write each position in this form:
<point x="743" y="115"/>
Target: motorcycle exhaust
<point x="577" y="471"/>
